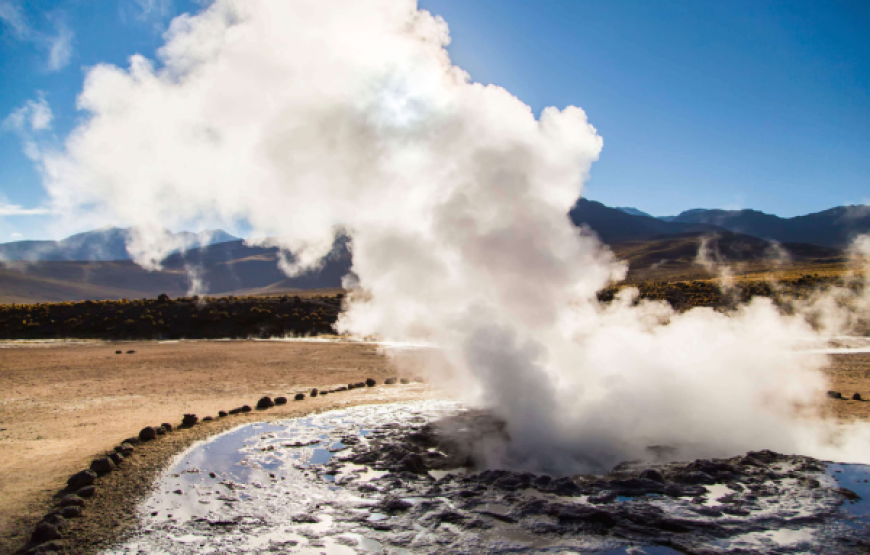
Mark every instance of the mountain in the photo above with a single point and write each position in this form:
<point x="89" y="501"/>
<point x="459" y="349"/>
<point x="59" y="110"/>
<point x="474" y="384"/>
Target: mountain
<point x="613" y="225"/>
<point x="108" y="244"/>
<point x="634" y="211"/>
<point x="830" y="228"/>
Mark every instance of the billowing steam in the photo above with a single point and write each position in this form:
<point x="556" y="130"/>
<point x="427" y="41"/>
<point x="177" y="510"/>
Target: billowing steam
<point x="308" y="118"/>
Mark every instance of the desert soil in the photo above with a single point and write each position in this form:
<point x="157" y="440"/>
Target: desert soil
<point x="63" y="405"/>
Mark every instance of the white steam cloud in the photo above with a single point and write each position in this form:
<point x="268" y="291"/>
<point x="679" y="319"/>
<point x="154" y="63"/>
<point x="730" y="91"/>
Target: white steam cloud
<point x="308" y="118"/>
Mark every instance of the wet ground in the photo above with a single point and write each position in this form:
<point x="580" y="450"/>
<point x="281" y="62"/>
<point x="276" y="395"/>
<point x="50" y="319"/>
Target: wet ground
<point x="399" y="479"/>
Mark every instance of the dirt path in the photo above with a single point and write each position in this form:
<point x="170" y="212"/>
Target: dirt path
<point x="62" y="405"/>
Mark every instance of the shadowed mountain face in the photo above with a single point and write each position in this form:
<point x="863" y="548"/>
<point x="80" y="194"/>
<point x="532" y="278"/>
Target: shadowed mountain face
<point x="831" y="228"/>
<point x="612" y="225"/>
<point x="98" y="245"/>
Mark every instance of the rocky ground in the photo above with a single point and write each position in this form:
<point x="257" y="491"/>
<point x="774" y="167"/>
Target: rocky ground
<point x="63" y="405"/>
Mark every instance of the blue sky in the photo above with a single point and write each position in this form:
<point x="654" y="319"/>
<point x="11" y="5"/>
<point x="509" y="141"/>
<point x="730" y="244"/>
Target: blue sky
<point x="707" y="103"/>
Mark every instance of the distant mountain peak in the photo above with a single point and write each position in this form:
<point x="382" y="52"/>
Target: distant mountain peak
<point x="634" y="211"/>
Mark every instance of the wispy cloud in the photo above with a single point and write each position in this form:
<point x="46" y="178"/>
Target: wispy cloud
<point x="58" y="44"/>
<point x="17" y="236"/>
<point x="18" y="210"/>
<point x="155" y="8"/>
<point x="28" y="120"/>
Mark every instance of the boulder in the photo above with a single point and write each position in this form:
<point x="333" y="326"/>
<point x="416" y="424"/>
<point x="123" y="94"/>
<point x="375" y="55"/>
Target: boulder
<point x="160" y="430"/>
<point x="370" y="382"/>
<point x="246" y="408"/>
<point x="856" y="397"/>
<point x="102" y="465"/>
<point x="55" y="519"/>
<point x="117" y="458"/>
<point x="391" y="381"/>
<point x="167" y="426"/>
<point x="86" y="492"/>
<point x="351" y="386"/>
<point x="72" y="501"/>
<point x="189" y="420"/>
<point x="280" y="400"/>
<point x="222" y="413"/>
<point x="45" y="532"/>
<point x="81" y="479"/>
<point x="71" y="512"/>
<point x="313" y="392"/>
<point x="147" y="433"/>
<point x="125" y="449"/>
<point x="265" y="403"/>
<point x="299" y="397"/>
<point x="359" y="385"/>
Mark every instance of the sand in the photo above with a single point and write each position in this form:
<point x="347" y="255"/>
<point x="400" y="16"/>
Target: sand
<point x="62" y="405"/>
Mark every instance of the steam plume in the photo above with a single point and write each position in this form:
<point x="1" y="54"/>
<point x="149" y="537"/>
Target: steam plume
<point x="308" y="118"/>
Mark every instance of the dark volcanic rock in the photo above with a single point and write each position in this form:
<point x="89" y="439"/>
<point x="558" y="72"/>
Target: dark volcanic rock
<point x="72" y="501"/>
<point x="564" y="486"/>
<point x="370" y="382"/>
<point x="856" y="397"/>
<point x="404" y="381"/>
<point x="189" y="420"/>
<point x="147" y="433"/>
<point x="265" y="403"/>
<point x="299" y="397"/>
<point x="603" y="496"/>
<point x="55" y="519"/>
<point x="390" y="381"/>
<point x="81" y="479"/>
<point x="652" y="474"/>
<point x="167" y="426"/>
<point x="125" y="449"/>
<point x="45" y="532"/>
<point x="160" y="430"/>
<point x="835" y="395"/>
<point x="313" y="392"/>
<point x="280" y="400"/>
<point x="71" y="512"/>
<point x="102" y="465"/>
<point x="222" y="413"/>
<point x="246" y="408"/>
<point x="117" y="458"/>
<point x="393" y="505"/>
<point x="86" y="492"/>
<point x="208" y="419"/>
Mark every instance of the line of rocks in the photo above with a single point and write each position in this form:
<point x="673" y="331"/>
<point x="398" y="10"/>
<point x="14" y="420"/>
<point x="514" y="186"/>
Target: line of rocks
<point x="839" y="396"/>
<point x="46" y="538"/>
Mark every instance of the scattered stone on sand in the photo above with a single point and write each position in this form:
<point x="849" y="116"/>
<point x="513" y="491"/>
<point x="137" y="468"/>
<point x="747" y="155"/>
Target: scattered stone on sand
<point x="132" y="440"/>
<point x="86" y="492"/>
<point x="54" y="518"/>
<point x="72" y="500"/>
<point x="189" y="420"/>
<point x="390" y="381"/>
<point x="280" y="400"/>
<point x="160" y="430"/>
<point x="45" y="532"/>
<point x="856" y="397"/>
<point x="167" y="426"/>
<point x="118" y="353"/>
<point x="351" y="386"/>
<point x="299" y="397"/>
<point x="117" y="458"/>
<point x="222" y="413"/>
<point x="208" y="419"/>
<point x="147" y="433"/>
<point x="131" y="352"/>
<point x="125" y="449"/>
<point x="370" y="382"/>
<point x="47" y="548"/>
<point x="102" y="465"/>
<point x="835" y="395"/>
<point x="265" y="403"/>
<point x="81" y="479"/>
<point x="313" y="392"/>
<point x="72" y="511"/>
<point x="404" y="381"/>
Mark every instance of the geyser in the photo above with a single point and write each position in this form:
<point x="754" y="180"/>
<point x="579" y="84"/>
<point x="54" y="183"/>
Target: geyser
<point x="307" y="119"/>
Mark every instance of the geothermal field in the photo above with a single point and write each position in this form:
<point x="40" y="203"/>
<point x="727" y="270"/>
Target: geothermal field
<point x="306" y="277"/>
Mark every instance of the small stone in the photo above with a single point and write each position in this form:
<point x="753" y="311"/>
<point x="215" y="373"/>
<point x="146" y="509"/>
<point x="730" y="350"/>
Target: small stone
<point x="118" y="352"/>
<point x="359" y="385"/>
<point x="390" y="381"/>
<point x="131" y="352"/>
<point x="208" y="419"/>
<point x="45" y="532"/>
<point x="835" y="395"/>
<point x="86" y="492"/>
<point x="280" y="400"/>
<point x="116" y="458"/>
<point x="299" y="397"/>
<point x="404" y="381"/>
<point x="167" y="426"/>
<point x="147" y="433"/>
<point x="47" y="548"/>
<point x="246" y="408"/>
<point x="314" y="392"/>
<point x="222" y="413"/>
<point x="189" y="420"/>
<point x="55" y="519"/>
<point x="125" y="449"/>
<point x="265" y="403"/>
<point x="370" y="382"/>
<point x="856" y="397"/>
<point x="71" y="512"/>
<point x="102" y="465"/>
<point x="160" y="430"/>
<point x="351" y="386"/>
<point x="132" y="440"/>
<point x="81" y="479"/>
<point x="72" y="501"/>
